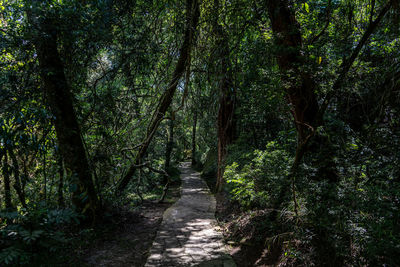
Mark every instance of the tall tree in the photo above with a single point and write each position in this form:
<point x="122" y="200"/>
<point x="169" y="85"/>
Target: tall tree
<point x="300" y="87"/>
<point x="225" y="119"/>
<point x="299" y="84"/>
<point x="60" y="101"/>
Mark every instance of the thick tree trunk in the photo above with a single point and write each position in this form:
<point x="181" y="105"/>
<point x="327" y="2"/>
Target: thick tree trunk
<point x="192" y="17"/>
<point x="307" y="114"/>
<point x="299" y="84"/>
<point x="194" y="138"/>
<point x="59" y="99"/>
<point x="225" y="120"/>
<point x="226" y="126"/>
<point x="299" y="87"/>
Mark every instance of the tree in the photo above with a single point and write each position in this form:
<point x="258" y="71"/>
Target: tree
<point x="226" y="112"/>
<point x="6" y="175"/>
<point x="192" y="17"/>
<point x="300" y="85"/>
<point x="59" y="99"/>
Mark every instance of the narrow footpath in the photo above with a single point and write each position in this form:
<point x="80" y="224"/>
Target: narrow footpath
<point x="188" y="236"/>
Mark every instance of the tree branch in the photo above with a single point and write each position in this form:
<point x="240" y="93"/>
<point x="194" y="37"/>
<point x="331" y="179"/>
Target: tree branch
<point x="348" y="63"/>
<point x="328" y="20"/>
<point x="192" y="17"/>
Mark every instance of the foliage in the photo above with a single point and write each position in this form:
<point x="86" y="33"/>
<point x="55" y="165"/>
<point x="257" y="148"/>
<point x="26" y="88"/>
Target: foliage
<point x="259" y="176"/>
<point x="28" y="236"/>
<point x="340" y="200"/>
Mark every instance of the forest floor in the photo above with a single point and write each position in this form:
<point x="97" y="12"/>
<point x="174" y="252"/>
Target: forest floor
<point x="188" y="235"/>
<point x="128" y="242"/>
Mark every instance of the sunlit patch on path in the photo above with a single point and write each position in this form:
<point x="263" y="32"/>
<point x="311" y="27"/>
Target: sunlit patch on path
<point x="187" y="235"/>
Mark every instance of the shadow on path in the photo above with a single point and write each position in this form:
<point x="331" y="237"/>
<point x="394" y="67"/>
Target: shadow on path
<point x="187" y="235"/>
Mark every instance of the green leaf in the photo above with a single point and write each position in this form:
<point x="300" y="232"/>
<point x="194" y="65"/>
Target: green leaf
<point x="306" y="7"/>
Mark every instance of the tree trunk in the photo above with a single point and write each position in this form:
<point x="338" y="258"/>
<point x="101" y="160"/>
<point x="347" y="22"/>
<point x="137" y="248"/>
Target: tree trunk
<point x="226" y="126"/>
<point x="168" y="150"/>
<point x="192" y="17"/>
<point x="300" y="86"/>
<point x="307" y="114"/>
<point x="7" y="188"/>
<point x="60" y="191"/>
<point x="225" y="120"/>
<point x="194" y="138"/>
<point x="59" y="99"/>
<point x="17" y="177"/>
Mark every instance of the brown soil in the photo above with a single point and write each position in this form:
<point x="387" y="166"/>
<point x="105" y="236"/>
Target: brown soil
<point x="129" y="242"/>
<point x="246" y="234"/>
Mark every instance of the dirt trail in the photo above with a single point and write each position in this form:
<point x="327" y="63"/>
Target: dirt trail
<point x="188" y="236"/>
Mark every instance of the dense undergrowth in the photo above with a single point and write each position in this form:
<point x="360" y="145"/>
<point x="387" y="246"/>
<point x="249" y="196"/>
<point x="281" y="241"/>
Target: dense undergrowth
<point x="33" y="236"/>
<point x="40" y="235"/>
<point x="352" y="223"/>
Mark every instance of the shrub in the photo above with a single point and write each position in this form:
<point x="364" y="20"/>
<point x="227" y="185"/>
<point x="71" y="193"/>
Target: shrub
<point x="251" y="182"/>
<point x="28" y="235"/>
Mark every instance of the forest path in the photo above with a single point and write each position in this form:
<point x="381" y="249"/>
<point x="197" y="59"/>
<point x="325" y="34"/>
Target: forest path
<point x="187" y="235"/>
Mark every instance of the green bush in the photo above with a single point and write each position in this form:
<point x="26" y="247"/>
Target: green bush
<point x="28" y="236"/>
<point x="250" y="181"/>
